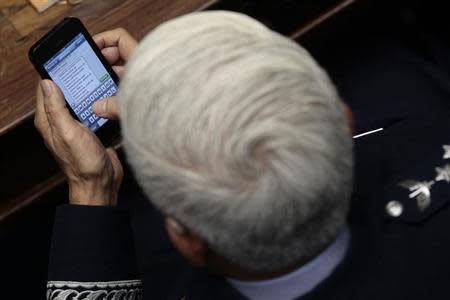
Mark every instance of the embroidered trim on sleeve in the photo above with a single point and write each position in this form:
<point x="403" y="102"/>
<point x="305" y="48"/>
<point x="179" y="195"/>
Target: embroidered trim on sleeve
<point x="74" y="290"/>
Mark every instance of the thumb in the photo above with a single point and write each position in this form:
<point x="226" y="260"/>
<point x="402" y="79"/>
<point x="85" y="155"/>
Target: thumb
<point x="106" y="108"/>
<point x="55" y="107"/>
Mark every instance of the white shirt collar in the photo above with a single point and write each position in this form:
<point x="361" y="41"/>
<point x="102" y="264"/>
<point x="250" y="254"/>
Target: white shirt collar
<point x="300" y="281"/>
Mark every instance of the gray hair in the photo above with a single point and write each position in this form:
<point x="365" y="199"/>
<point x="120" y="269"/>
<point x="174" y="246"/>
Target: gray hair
<point x="236" y="132"/>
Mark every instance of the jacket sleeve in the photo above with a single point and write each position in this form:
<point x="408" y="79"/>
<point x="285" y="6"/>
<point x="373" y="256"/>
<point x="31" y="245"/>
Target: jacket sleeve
<point x="92" y="255"/>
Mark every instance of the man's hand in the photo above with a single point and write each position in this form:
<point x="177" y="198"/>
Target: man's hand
<point x="94" y="173"/>
<point x="116" y="45"/>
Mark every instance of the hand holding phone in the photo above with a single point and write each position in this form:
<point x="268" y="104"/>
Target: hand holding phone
<point x="116" y="46"/>
<point x="69" y="56"/>
<point x="94" y="174"/>
<point x="81" y="76"/>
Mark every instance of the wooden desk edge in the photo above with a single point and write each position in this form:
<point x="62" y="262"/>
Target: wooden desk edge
<point x="321" y="19"/>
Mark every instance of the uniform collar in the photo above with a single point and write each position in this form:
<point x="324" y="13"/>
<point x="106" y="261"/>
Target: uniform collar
<point x="300" y="281"/>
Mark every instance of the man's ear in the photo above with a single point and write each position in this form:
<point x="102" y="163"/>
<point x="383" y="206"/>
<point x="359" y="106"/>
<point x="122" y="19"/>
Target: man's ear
<point x="349" y="116"/>
<point x="189" y="244"/>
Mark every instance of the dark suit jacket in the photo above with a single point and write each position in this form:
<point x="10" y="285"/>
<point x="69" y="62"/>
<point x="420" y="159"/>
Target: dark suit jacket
<point x="390" y="257"/>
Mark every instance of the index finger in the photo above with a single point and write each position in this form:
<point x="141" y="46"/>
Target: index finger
<point x="119" y="38"/>
<point x="107" y="108"/>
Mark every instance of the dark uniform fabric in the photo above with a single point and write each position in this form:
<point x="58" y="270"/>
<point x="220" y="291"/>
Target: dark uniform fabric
<point x="92" y="255"/>
<point x="399" y="219"/>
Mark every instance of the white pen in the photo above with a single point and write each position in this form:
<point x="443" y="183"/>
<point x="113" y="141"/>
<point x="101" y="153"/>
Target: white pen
<point x="366" y="133"/>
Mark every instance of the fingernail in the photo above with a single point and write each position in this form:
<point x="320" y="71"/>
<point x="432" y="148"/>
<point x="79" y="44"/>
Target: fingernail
<point x="46" y="88"/>
<point x="99" y="107"/>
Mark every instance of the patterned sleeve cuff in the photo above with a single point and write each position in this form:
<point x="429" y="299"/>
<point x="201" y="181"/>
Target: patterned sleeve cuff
<point x="120" y="290"/>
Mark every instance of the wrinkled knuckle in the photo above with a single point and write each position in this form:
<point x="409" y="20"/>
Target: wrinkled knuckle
<point x="51" y="111"/>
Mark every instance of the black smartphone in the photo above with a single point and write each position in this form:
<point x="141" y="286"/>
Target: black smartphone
<point x="68" y="55"/>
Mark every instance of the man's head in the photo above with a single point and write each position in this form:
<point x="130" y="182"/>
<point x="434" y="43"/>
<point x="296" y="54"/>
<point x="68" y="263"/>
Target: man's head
<point x="235" y="132"/>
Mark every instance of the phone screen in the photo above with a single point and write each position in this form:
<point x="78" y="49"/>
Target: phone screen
<point x="82" y="78"/>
